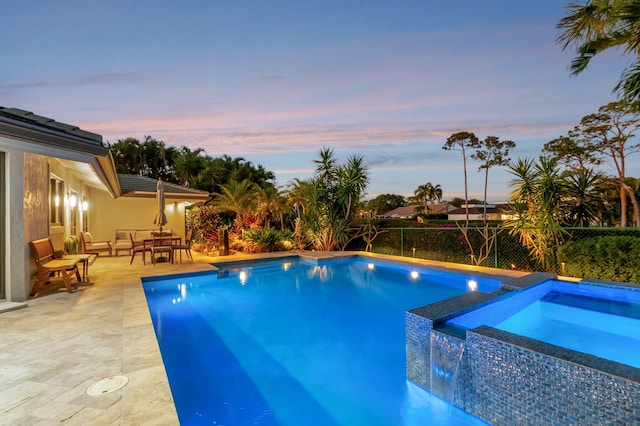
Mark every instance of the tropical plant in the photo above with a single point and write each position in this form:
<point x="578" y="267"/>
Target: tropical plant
<point x="584" y="195"/>
<point x="330" y="198"/>
<point x="426" y="194"/>
<point x="269" y="239"/>
<point x="536" y="214"/>
<point x="600" y="25"/>
<point x="239" y="198"/>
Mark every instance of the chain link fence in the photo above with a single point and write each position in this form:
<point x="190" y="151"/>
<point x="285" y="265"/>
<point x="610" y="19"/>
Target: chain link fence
<point x="492" y="247"/>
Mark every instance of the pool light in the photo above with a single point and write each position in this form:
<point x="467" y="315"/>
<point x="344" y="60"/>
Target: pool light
<point x="414" y="275"/>
<point x="243" y="277"/>
<point x="286" y="266"/>
<point x="371" y="266"/>
<point x="472" y="285"/>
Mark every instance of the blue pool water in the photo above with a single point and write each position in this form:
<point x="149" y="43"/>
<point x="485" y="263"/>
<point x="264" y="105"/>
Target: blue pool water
<point x="295" y="343"/>
<point x="594" y="319"/>
<point x="605" y="328"/>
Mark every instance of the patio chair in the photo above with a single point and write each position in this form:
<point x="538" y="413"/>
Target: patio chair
<point x="89" y="245"/>
<point x="186" y="246"/>
<point x="139" y="247"/>
<point x="161" y="245"/>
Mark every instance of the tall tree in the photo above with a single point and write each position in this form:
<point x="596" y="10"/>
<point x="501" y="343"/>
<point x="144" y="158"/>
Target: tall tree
<point x="572" y="152"/>
<point x="385" y="202"/>
<point x="491" y="152"/>
<point x="188" y="164"/>
<point x="610" y="133"/>
<point x="600" y="25"/>
<point x="239" y="198"/>
<point x="462" y="141"/>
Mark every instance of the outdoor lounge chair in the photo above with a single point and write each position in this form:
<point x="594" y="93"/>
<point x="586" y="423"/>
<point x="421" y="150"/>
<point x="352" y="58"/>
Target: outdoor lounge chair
<point x="186" y="247"/>
<point x="49" y="267"/>
<point x="89" y="245"/>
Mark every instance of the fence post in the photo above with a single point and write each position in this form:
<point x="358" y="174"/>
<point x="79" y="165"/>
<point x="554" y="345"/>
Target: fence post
<point x="495" y="246"/>
<point x="401" y="241"/>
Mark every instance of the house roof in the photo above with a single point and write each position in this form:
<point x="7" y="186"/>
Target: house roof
<point x="405" y="211"/>
<point x="25" y="131"/>
<point x="142" y="186"/>
<point x="27" y="119"/>
<point x="479" y="209"/>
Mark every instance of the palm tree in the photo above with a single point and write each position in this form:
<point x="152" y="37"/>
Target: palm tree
<point x="585" y="194"/>
<point x="188" y="164"/>
<point x="539" y="225"/>
<point x="352" y="181"/>
<point x="600" y="25"/>
<point x="237" y="197"/>
<point x="127" y="156"/>
<point x="523" y="185"/>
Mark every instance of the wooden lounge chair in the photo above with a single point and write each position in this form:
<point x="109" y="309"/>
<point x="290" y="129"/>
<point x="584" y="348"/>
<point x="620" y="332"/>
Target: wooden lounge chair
<point x="48" y="266"/>
<point x="89" y="245"/>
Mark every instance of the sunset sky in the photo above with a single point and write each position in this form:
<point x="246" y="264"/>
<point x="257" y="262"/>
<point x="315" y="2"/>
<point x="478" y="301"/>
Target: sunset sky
<point x="275" y="81"/>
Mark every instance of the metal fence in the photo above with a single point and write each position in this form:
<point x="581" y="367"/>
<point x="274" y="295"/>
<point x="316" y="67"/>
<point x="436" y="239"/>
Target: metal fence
<point x="449" y="244"/>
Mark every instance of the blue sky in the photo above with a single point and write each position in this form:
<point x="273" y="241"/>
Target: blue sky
<point x="275" y="81"/>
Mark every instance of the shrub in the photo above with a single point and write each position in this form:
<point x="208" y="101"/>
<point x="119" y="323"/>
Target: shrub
<point x="615" y="258"/>
<point x="268" y="239"/>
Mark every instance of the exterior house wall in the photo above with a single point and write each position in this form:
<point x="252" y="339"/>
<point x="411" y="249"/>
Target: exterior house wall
<point x="106" y="215"/>
<point x="464" y="216"/>
<point x="35" y="208"/>
<point x="17" y="251"/>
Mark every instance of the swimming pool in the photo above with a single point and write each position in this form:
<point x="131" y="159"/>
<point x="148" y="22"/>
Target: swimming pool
<point x="295" y="342"/>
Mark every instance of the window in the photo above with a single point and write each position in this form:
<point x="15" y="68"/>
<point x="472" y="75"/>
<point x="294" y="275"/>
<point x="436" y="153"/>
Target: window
<point x="56" y="201"/>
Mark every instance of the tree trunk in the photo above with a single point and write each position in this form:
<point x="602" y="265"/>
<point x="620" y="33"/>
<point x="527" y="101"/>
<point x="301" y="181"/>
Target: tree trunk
<point x="623" y="204"/>
<point x="634" y="202"/>
<point x="466" y="196"/>
<point x="486" y="182"/>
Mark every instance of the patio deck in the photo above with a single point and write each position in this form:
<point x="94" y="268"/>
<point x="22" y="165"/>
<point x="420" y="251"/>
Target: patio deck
<point x="53" y="350"/>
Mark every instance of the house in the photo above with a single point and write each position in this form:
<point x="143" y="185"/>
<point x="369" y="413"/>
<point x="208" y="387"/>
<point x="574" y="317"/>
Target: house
<point x="58" y="180"/>
<point x="495" y="211"/>
<point x="409" y="212"/>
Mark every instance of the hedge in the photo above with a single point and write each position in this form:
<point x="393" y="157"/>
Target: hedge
<point x="615" y="258"/>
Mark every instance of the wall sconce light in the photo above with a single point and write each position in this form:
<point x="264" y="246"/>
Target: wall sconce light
<point x="85" y="205"/>
<point x="56" y="200"/>
<point x="73" y="200"/>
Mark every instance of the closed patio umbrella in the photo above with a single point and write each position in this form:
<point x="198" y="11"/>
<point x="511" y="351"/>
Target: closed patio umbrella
<point x="161" y="218"/>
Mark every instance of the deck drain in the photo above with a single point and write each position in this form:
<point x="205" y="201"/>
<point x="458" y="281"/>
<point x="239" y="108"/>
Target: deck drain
<point x="108" y="385"/>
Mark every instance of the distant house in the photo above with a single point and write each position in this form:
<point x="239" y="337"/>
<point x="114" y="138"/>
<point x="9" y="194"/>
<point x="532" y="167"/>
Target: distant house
<point x="409" y="212"/>
<point x="57" y="180"/>
<point x="495" y="211"/>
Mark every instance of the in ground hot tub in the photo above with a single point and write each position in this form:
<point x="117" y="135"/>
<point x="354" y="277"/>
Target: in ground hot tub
<point x="549" y="351"/>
